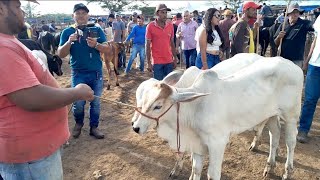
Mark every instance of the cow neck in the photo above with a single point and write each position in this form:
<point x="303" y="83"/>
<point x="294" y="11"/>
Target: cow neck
<point x="158" y="118"/>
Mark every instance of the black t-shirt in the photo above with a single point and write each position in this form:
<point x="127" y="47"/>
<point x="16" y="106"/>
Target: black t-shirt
<point x="293" y="43"/>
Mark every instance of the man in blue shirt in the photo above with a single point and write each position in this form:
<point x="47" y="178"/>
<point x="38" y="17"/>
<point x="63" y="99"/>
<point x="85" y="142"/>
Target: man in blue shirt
<point x="84" y="45"/>
<point x="139" y="33"/>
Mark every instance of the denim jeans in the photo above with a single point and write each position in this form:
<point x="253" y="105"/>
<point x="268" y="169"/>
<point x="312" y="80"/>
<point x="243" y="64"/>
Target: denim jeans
<point x="48" y="168"/>
<point x="122" y="59"/>
<point x="94" y="79"/>
<point x="212" y="60"/>
<point x="312" y="94"/>
<point x="162" y="70"/>
<point x="190" y="56"/>
<point x="137" y="48"/>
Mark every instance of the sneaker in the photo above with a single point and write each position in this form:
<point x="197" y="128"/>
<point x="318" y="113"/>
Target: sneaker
<point x="96" y="133"/>
<point x="302" y="137"/>
<point x="76" y="130"/>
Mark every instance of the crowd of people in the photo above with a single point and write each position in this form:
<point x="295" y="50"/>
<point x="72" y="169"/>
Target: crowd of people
<point x="33" y="113"/>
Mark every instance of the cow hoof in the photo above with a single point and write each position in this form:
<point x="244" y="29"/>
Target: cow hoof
<point x="253" y="148"/>
<point x="108" y="87"/>
<point x="268" y="170"/>
<point x="117" y="84"/>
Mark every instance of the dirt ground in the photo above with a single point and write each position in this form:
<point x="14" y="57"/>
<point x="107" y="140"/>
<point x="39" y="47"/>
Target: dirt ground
<point x="125" y="155"/>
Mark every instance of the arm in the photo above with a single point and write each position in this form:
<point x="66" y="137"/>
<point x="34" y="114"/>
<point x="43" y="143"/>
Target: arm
<point x="306" y="61"/>
<point x="132" y="34"/>
<point x="148" y="47"/>
<point x="203" y="48"/>
<point x="179" y="36"/>
<point x="65" y="44"/>
<point x="279" y="35"/>
<point x="44" y="98"/>
<point x="174" y="53"/>
<point x="123" y="32"/>
<point x="148" y="54"/>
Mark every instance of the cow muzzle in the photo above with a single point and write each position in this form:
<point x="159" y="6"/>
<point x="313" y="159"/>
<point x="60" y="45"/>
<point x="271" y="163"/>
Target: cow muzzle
<point x="136" y="129"/>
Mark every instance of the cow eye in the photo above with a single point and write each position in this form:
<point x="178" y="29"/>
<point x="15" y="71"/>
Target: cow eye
<point x="157" y="107"/>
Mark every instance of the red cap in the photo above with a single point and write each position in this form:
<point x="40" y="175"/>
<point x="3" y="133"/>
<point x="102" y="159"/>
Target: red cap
<point x="250" y="4"/>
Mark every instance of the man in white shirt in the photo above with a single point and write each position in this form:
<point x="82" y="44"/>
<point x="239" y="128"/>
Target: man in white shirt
<point x="312" y="88"/>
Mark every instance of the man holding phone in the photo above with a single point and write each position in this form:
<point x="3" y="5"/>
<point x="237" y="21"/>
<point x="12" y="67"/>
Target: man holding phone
<point x="84" y="44"/>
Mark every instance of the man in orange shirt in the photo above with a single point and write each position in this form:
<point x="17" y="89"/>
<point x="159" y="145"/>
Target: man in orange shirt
<point x="33" y="112"/>
<point x="160" y="45"/>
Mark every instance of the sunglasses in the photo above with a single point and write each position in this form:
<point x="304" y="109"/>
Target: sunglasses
<point x="217" y="16"/>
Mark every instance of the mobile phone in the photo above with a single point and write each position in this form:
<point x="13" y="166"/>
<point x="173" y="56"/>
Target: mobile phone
<point x="93" y="32"/>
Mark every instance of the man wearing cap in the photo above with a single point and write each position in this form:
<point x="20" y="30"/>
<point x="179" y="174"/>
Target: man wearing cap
<point x="241" y="35"/>
<point x="160" y="44"/>
<point x="225" y="26"/>
<point x="84" y="44"/>
<point x="312" y="88"/>
<point x="294" y="35"/>
<point x="33" y="112"/>
<point x="186" y="32"/>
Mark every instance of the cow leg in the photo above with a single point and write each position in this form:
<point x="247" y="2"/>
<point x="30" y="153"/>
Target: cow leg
<point x="178" y="165"/>
<point x="116" y="76"/>
<point x="216" y="147"/>
<point x="197" y="165"/>
<point x="256" y="140"/>
<point x="291" y="133"/>
<point x="274" y="134"/>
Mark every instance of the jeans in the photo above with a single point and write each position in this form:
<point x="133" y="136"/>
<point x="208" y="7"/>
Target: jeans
<point x="94" y="79"/>
<point x="212" y="60"/>
<point x="48" y="168"/>
<point x="312" y="94"/>
<point x="122" y="59"/>
<point x="162" y="70"/>
<point x="137" y="48"/>
<point x="190" y="56"/>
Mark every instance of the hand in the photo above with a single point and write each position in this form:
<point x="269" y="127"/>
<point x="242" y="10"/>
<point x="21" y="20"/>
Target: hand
<point x="175" y="60"/>
<point x="204" y="66"/>
<point x="73" y="37"/>
<point x="180" y="35"/>
<point x="150" y="67"/>
<point x="221" y="55"/>
<point x="281" y="34"/>
<point x="256" y="25"/>
<point x="92" y="42"/>
<point x="84" y="92"/>
<point x="177" y="50"/>
<point x="305" y="68"/>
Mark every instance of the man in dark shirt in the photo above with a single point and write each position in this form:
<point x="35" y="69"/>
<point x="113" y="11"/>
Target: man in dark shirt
<point x="294" y="35"/>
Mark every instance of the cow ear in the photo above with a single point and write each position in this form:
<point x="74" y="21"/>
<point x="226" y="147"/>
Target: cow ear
<point x="188" y="96"/>
<point x="173" y="77"/>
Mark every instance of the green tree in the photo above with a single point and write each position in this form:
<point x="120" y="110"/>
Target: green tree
<point x="119" y="5"/>
<point x="30" y="10"/>
<point x="147" y="11"/>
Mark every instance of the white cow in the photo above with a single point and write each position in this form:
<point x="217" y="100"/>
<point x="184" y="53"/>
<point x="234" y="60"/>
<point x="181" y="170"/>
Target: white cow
<point x="224" y="69"/>
<point x="268" y="88"/>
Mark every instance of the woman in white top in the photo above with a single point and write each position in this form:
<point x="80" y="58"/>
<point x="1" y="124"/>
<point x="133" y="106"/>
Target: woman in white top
<point x="209" y="40"/>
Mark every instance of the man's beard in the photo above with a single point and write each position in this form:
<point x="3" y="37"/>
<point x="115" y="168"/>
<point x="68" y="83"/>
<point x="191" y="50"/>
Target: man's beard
<point x="14" y="26"/>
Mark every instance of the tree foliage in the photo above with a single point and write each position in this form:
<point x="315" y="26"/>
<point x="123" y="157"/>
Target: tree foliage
<point x="30" y="10"/>
<point x="147" y="11"/>
<point x="118" y="5"/>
